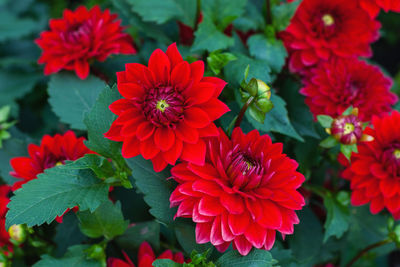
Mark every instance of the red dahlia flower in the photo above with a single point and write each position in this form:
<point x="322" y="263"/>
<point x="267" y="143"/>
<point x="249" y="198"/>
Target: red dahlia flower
<point x="4" y="235"/>
<point x="374" y="172"/>
<point x="167" y="110"/>
<point x="373" y="6"/>
<point x="320" y="30"/>
<point x="145" y="258"/>
<point x="334" y="86"/>
<point x="80" y="37"/>
<point x="244" y="192"/>
<point x="51" y="152"/>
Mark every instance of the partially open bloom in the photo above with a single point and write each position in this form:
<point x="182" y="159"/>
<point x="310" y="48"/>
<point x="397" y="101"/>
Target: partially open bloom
<point x="374" y="171"/>
<point x="347" y="129"/>
<point x="146" y="257"/>
<point x="5" y="244"/>
<point x="244" y="193"/>
<point x="167" y="110"/>
<point x="52" y="151"/>
<point x="80" y="37"/>
<point x="337" y="84"/>
<point x="374" y="6"/>
<point x="320" y="30"/>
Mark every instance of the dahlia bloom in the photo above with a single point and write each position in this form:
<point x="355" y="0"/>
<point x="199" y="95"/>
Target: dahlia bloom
<point x="167" y="110"/>
<point x="374" y="6"/>
<point x="4" y="235"/>
<point x="53" y="150"/>
<point x="244" y="193"/>
<point x="337" y="84"/>
<point x="146" y="257"/>
<point x="320" y="30"/>
<point x="374" y="171"/>
<point x="347" y="129"/>
<point x="80" y="37"/>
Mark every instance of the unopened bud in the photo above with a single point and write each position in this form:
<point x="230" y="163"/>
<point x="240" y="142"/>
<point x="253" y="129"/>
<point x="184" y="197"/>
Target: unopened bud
<point x="263" y="90"/>
<point x="17" y="233"/>
<point x="347" y="129"/>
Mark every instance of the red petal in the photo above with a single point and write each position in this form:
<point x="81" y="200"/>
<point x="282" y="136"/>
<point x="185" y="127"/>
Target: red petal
<point x="174" y="55"/>
<point x="200" y="92"/>
<point x="196" y="118"/>
<point x="209" y="206"/>
<point x="203" y="232"/>
<point x="214" y="108"/>
<point x="270" y="240"/>
<point x="207" y="171"/>
<point x="187" y="133"/>
<point x="120" y="105"/>
<point x="159" y="163"/>
<point x="271" y="216"/>
<point x="197" y="71"/>
<point x="232" y="202"/>
<point x="242" y="245"/>
<point x="144" y="130"/>
<point x="130" y="147"/>
<point x="207" y="187"/>
<point x="239" y="223"/>
<point x="194" y="153"/>
<point x="81" y="68"/>
<point x="256" y="235"/>
<point x="219" y="83"/>
<point x="131" y="90"/>
<point x="145" y="249"/>
<point x="160" y="66"/>
<point x="215" y="235"/>
<point x="164" y="138"/>
<point x="377" y="205"/>
<point x="172" y="155"/>
<point x="136" y="73"/>
<point x="148" y="149"/>
<point x="180" y="74"/>
<point x="389" y="187"/>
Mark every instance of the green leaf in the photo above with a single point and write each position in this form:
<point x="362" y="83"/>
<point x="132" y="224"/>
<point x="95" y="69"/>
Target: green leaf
<point x="208" y="37"/>
<point x="282" y="14"/>
<point x="223" y="12"/>
<point x="166" y="263"/>
<point x="252" y="19"/>
<point x="98" y="120"/>
<point x="325" y="120"/>
<point x="216" y="61"/>
<point x="276" y="120"/>
<point x="74" y="257"/>
<point x="306" y="242"/>
<point x="154" y="186"/>
<point x="189" y="9"/>
<point x="256" y="258"/>
<point x="71" y="97"/>
<point x="258" y="69"/>
<point x="101" y="166"/>
<point x="156" y="11"/>
<point x="52" y="193"/>
<point x="329" y="142"/>
<point x="12" y="27"/>
<point x="268" y="49"/>
<point x="107" y="220"/>
<point x="337" y="218"/>
<point x="135" y="235"/>
<point x="68" y="233"/>
<point x="15" y="85"/>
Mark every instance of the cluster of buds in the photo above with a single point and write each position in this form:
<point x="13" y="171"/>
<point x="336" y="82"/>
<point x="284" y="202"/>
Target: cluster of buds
<point x="4" y="124"/>
<point x="256" y="95"/>
<point x="346" y="130"/>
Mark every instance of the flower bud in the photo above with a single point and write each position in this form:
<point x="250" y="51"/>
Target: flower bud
<point x="17" y="233"/>
<point x="347" y="129"/>
<point x="264" y="91"/>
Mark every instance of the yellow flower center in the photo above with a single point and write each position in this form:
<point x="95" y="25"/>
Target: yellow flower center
<point x="162" y="105"/>
<point x="348" y="128"/>
<point x="328" y="20"/>
<point x="396" y="153"/>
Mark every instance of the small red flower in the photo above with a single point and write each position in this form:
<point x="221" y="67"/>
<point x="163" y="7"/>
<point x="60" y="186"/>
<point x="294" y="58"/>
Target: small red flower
<point x="4" y="235"/>
<point x="80" y="37"/>
<point x="51" y="152"/>
<point x="146" y="257"/>
<point x="244" y="193"/>
<point x="167" y="110"/>
<point x="374" y="171"/>
<point x="337" y="84"/>
<point x="320" y="30"/>
<point x="374" y="6"/>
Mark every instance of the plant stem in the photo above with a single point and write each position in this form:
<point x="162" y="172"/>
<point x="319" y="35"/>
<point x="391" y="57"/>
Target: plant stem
<point x="198" y="14"/>
<point x="366" y="249"/>
<point x="268" y="11"/>
<point x="243" y="111"/>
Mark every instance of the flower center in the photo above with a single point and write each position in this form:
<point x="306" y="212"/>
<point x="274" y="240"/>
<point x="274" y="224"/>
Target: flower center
<point x="162" y="105"/>
<point x="244" y="171"/>
<point x="328" y="20"/>
<point x="348" y="128"/>
<point x="396" y="153"/>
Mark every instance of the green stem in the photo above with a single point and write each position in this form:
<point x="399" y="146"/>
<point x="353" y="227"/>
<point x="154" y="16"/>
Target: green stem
<point x="198" y="14"/>
<point x="243" y="111"/>
<point x="366" y="249"/>
<point x="268" y="11"/>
